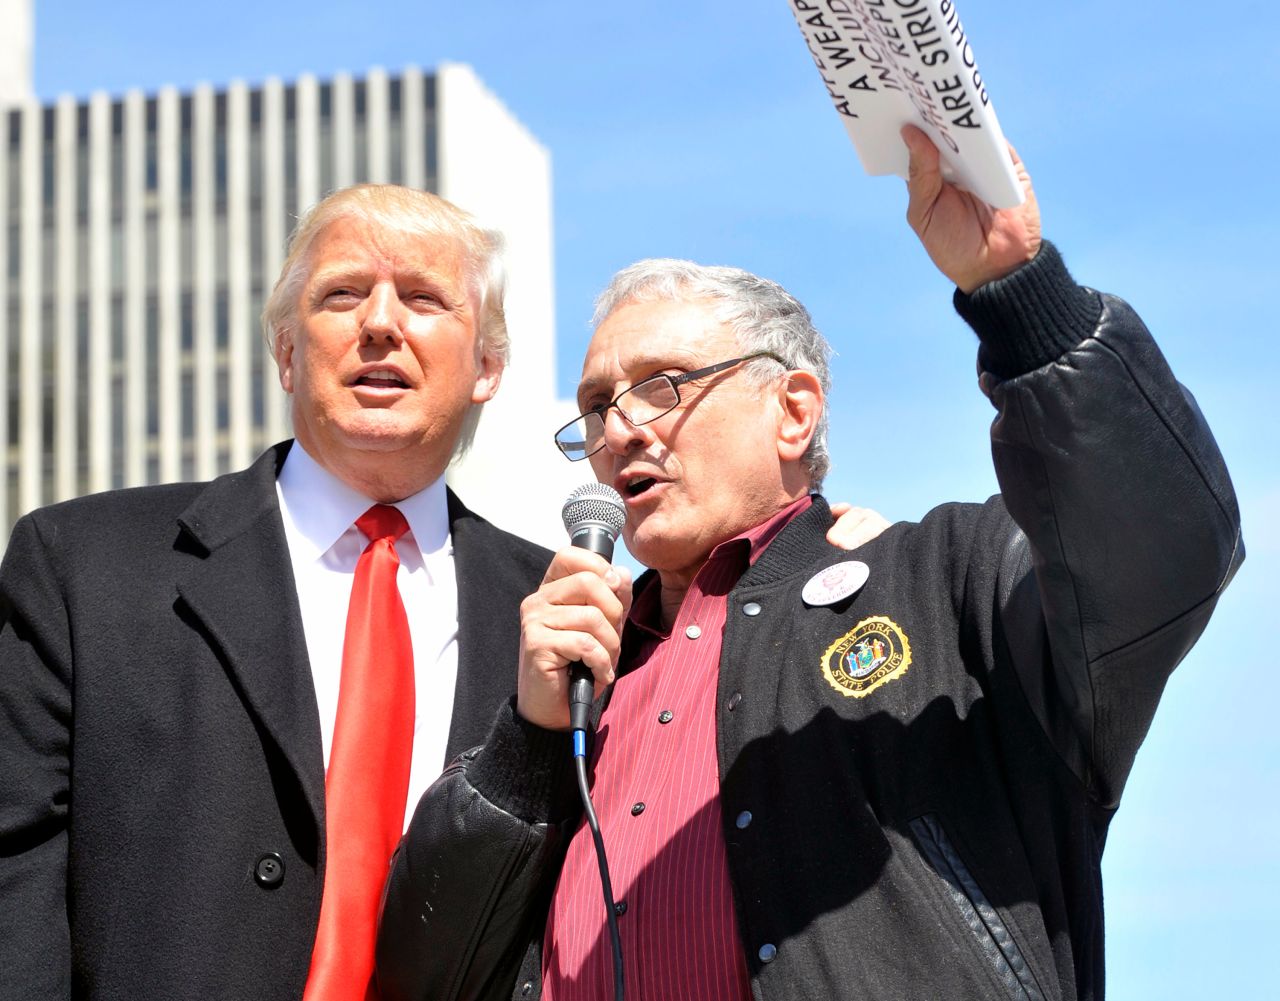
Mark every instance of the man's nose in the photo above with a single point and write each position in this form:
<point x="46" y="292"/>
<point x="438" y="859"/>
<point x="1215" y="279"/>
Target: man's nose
<point x="382" y="317"/>
<point x="620" y="435"/>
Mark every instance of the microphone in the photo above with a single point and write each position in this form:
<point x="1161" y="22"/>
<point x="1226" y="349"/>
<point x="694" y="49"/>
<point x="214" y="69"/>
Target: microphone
<point x="593" y="516"/>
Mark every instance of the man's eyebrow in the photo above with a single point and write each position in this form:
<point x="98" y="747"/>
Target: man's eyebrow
<point x="648" y="364"/>
<point x="344" y="271"/>
<point x="330" y="273"/>
<point x="590" y="387"/>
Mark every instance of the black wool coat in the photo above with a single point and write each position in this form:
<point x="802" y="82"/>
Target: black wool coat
<point x="161" y="772"/>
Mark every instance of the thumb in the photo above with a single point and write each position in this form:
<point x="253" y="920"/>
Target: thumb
<point x="924" y="177"/>
<point x="923" y="158"/>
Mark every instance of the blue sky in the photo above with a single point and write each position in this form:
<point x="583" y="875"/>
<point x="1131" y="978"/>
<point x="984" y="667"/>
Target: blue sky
<point x="700" y="129"/>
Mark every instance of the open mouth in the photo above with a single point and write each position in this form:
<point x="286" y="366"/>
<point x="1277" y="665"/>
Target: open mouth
<point x="636" y="487"/>
<point x="382" y="379"/>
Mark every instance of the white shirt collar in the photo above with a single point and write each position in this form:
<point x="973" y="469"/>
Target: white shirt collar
<point x="322" y="507"/>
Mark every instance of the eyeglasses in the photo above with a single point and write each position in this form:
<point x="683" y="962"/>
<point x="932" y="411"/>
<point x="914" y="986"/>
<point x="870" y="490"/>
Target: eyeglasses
<point x="642" y="403"/>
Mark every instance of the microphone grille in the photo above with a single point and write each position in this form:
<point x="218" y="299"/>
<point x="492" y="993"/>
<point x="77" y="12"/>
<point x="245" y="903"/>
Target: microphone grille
<point x="594" y="503"/>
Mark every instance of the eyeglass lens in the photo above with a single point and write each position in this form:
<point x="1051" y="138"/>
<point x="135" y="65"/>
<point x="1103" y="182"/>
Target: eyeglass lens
<point x="644" y="402"/>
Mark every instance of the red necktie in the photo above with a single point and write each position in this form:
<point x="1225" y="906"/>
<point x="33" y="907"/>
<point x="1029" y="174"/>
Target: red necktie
<point x="368" y="777"/>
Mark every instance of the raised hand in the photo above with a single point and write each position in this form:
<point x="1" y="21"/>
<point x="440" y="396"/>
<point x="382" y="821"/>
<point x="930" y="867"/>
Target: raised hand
<point x="970" y="242"/>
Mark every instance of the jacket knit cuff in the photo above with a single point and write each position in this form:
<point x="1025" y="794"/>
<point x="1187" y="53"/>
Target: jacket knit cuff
<point x="1031" y="317"/>
<point x="525" y="770"/>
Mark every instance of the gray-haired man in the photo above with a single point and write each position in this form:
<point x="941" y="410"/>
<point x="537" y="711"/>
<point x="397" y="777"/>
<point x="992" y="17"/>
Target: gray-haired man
<point x="822" y="778"/>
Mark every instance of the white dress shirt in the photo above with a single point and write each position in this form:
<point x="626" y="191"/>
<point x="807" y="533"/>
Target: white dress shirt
<point x="319" y="512"/>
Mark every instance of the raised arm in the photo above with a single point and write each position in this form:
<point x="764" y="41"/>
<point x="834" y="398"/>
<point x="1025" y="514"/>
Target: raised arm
<point x="1128" y="524"/>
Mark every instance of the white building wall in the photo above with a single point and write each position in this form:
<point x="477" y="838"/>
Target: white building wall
<point x="16" y="34"/>
<point x="99" y="294"/>
<point x="66" y="425"/>
<point x="30" y="286"/>
<point x="275" y="417"/>
<point x="133" y="366"/>
<point x="168" y="286"/>
<point x="490" y="165"/>
<point x="241" y="342"/>
<point x="7" y="516"/>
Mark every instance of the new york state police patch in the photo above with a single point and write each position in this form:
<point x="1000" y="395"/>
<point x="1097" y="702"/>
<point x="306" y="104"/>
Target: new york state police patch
<point x="872" y="653"/>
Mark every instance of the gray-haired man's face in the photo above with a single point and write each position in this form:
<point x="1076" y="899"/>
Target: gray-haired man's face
<point x="707" y="470"/>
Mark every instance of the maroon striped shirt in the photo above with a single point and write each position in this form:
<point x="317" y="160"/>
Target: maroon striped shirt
<point x="657" y="795"/>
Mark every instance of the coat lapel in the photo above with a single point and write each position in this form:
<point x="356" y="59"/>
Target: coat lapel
<point x="243" y="594"/>
<point x="495" y="572"/>
<point x="479" y="648"/>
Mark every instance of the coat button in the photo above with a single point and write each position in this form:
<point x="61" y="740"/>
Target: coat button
<point x="526" y="988"/>
<point x="666" y="716"/>
<point x="734" y="699"/>
<point x="768" y="952"/>
<point x="269" y="871"/>
<point x="744" y="820"/>
<point x="751" y="608"/>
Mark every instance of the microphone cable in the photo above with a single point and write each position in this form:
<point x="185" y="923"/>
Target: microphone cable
<point x="611" y="908"/>
<point x="593" y="516"/>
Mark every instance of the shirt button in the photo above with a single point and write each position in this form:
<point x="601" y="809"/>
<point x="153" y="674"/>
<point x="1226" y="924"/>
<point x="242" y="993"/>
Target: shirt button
<point x="751" y="608"/>
<point x="637" y="809"/>
<point x="693" y="632"/>
<point x="744" y="820"/>
<point x="666" y="716"/>
<point x="268" y="871"/>
<point x="768" y="952"/>
<point x="734" y="699"/>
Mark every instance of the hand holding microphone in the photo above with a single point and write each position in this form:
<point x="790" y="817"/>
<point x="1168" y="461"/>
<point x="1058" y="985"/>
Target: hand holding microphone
<point x="593" y="516"/>
<point x="577" y="614"/>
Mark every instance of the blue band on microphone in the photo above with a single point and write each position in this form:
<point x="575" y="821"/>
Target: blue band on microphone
<point x="579" y="744"/>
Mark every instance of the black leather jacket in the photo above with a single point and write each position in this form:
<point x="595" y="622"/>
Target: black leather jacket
<point x="925" y="817"/>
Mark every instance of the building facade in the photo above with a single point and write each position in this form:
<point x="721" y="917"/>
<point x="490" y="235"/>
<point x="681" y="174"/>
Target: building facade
<point x="142" y="235"/>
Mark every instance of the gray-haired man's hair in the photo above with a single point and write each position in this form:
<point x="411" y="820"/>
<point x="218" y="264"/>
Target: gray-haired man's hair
<point x="762" y="314"/>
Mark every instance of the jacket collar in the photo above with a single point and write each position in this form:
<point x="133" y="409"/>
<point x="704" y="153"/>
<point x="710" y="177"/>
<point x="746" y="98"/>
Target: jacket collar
<point x="232" y="504"/>
<point x="802" y="542"/>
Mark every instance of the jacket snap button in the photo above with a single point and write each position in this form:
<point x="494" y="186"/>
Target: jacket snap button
<point x="734" y="699"/>
<point x="744" y="820"/>
<point x="751" y="608"/>
<point x="269" y="871"/>
<point x="767" y="952"/>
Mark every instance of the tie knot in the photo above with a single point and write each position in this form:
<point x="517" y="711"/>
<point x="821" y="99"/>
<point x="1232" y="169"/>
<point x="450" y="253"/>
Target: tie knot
<point x="382" y="521"/>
